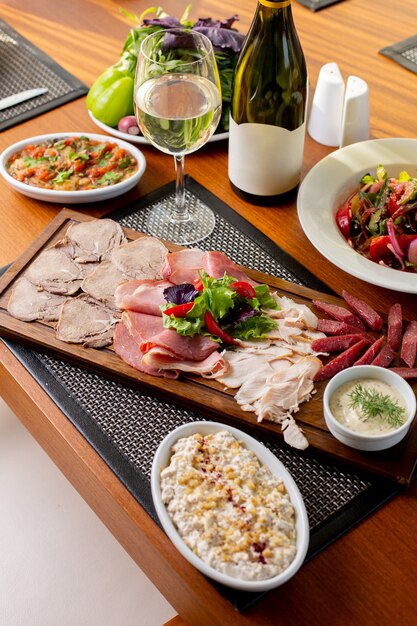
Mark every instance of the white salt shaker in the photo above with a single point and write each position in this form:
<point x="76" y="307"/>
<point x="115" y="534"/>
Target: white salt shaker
<point x="355" y="119"/>
<point x="325" y="121"/>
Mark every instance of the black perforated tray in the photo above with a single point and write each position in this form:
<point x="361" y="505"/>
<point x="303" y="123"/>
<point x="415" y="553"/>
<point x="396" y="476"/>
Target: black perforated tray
<point x="126" y="425"/>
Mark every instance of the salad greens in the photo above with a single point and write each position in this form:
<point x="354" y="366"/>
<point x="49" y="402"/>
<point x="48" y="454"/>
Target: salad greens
<point x="111" y="96"/>
<point x="234" y="314"/>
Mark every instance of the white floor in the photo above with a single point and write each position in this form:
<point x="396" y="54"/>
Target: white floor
<point x="59" y="565"/>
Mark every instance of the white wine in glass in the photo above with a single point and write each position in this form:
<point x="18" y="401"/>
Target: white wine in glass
<point x="178" y="107"/>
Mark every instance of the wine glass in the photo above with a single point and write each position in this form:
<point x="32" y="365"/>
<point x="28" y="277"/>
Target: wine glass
<point x="178" y="104"/>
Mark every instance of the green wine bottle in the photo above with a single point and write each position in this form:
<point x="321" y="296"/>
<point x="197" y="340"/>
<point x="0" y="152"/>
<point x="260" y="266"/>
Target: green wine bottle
<point x="269" y="104"/>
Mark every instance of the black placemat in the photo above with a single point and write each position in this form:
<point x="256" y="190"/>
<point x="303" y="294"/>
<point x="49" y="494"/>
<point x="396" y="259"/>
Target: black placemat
<point x="316" y="5"/>
<point x="24" y="66"/>
<point x="126" y="425"/>
<point x="404" y="52"/>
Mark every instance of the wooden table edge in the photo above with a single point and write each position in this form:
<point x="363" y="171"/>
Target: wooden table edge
<point x="185" y="589"/>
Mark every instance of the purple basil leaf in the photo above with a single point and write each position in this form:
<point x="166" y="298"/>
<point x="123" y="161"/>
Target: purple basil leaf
<point x="223" y="39"/>
<point x="163" y="22"/>
<point x="181" y="294"/>
<point x="207" y="21"/>
<point x="245" y="314"/>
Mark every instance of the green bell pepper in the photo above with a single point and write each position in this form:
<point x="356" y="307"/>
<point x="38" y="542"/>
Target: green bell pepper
<point x="111" y="96"/>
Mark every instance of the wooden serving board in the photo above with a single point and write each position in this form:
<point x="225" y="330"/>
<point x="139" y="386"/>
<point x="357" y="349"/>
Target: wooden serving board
<point x="206" y="397"/>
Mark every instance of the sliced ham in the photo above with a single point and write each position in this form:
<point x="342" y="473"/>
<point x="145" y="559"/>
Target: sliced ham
<point x="27" y="302"/>
<point x="409" y="344"/>
<point x="149" y="332"/>
<point x="141" y="258"/>
<point x="94" y="240"/>
<point x="395" y="326"/>
<point x="163" y="359"/>
<point x="143" y="296"/>
<point x="367" y="314"/>
<point x="127" y="349"/>
<point x="184" y="266"/>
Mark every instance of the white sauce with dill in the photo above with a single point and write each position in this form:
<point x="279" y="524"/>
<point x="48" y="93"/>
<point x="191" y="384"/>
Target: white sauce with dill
<point x="228" y="508"/>
<point x="352" y="417"/>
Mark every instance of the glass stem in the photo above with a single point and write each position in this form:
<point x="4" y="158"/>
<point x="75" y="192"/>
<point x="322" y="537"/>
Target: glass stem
<point x="180" y="212"/>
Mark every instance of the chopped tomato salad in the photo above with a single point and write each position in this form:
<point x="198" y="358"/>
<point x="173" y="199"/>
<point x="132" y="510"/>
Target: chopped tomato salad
<point x="72" y="164"/>
<point x="380" y="220"/>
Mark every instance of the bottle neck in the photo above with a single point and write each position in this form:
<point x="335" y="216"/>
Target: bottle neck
<point x="277" y="4"/>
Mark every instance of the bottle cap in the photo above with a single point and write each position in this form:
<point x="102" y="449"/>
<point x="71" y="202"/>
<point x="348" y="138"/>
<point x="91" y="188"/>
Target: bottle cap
<point x="325" y="121"/>
<point x="355" y="119"/>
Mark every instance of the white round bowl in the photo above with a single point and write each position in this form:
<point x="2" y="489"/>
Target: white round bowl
<point x="326" y="187"/>
<point x="161" y="460"/>
<point x="73" y="197"/>
<point x="361" y="441"/>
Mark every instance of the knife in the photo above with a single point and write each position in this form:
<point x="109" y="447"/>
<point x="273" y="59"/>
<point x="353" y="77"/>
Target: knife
<point x="17" y="98"/>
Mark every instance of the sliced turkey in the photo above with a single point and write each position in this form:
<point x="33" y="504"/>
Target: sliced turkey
<point x="94" y="240"/>
<point x="28" y="302"/>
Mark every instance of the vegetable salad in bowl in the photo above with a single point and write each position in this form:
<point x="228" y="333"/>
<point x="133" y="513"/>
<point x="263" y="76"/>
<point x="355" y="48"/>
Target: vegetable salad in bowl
<point x="379" y="220"/>
<point x="110" y="99"/>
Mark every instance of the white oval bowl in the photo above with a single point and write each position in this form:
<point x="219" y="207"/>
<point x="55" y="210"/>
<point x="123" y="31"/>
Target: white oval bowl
<point x="360" y="441"/>
<point x="330" y="182"/>
<point x="73" y="197"/>
<point x="161" y="460"/>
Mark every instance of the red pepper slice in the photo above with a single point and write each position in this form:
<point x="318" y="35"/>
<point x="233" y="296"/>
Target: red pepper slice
<point x="179" y="310"/>
<point x="198" y="284"/>
<point x="214" y="329"/>
<point x="243" y="289"/>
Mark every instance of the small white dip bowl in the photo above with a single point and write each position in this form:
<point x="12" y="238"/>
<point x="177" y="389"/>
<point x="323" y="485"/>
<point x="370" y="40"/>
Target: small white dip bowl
<point x="361" y="441"/>
<point x="162" y="459"/>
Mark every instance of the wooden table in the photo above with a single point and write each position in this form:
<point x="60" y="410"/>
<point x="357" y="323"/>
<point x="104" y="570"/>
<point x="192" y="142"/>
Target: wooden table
<point x="368" y="576"/>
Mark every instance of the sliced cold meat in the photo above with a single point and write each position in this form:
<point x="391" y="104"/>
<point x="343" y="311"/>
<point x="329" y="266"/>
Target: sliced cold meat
<point x="86" y="321"/>
<point x="94" y="240"/>
<point x="369" y="355"/>
<point x="143" y="296"/>
<point x="102" y="283"/>
<point x="342" y="361"/>
<point x="150" y="333"/>
<point x="163" y="359"/>
<point x="405" y="372"/>
<point x="184" y="266"/>
<point x="126" y="348"/>
<point x="339" y="313"/>
<point x="409" y="344"/>
<point x="335" y="343"/>
<point x="55" y="271"/>
<point x="141" y="258"/>
<point x="367" y="314"/>
<point x="333" y="327"/>
<point x="385" y="356"/>
<point x="395" y="326"/>
<point x="28" y="302"/>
